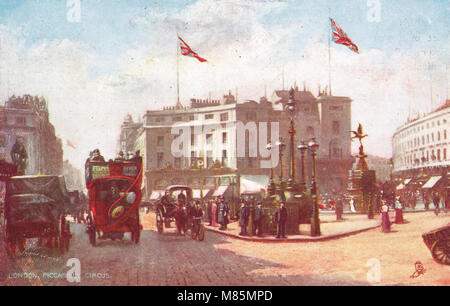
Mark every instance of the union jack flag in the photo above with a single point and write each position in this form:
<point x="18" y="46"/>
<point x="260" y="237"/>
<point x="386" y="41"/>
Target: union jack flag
<point x="187" y="51"/>
<point x="340" y="37"/>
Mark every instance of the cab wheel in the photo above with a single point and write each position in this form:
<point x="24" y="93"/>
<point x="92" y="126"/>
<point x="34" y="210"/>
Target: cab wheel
<point x="441" y="251"/>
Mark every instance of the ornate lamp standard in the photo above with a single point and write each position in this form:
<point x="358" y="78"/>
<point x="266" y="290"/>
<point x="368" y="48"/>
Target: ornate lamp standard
<point x="272" y="188"/>
<point x="302" y="148"/>
<point x="281" y="145"/>
<point x="291" y="185"/>
<point x="315" y="222"/>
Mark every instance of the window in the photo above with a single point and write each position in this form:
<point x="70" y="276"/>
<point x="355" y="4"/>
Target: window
<point x="20" y="120"/>
<point x="209" y="159"/>
<point x="310" y="132"/>
<point x="160" y="160"/>
<point x="224" y="137"/>
<point x="192" y="139"/>
<point x="336" y="108"/>
<point x="336" y="127"/>
<point x="160" y="141"/>
<point x="209" y="139"/>
<point x="224" y="117"/>
<point x="251" y="116"/>
<point x="439" y="136"/>
<point x="439" y="154"/>
<point x="177" y="162"/>
<point x="445" y="154"/>
<point x="160" y="119"/>
<point x="177" y="119"/>
<point x="191" y="118"/>
<point x="445" y="134"/>
<point x="209" y="116"/>
<point x="224" y="158"/>
<point x="2" y="141"/>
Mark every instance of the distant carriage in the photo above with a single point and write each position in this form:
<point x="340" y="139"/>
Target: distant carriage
<point x="36" y="207"/>
<point x="438" y="241"/>
<point x="165" y="210"/>
<point x="114" y="198"/>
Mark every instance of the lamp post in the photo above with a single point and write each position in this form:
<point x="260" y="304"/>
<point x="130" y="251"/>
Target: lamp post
<point x="302" y="148"/>
<point x="315" y="222"/>
<point x="291" y="185"/>
<point x="271" y="188"/>
<point x="281" y="145"/>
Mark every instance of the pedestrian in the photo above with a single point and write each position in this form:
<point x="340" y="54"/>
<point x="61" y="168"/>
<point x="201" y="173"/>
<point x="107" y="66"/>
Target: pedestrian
<point x="226" y="212"/>
<point x="180" y="219"/>
<point x="221" y="215"/>
<point x="258" y="220"/>
<point x="385" y="222"/>
<point x="209" y="215"/>
<point x="352" y="205"/>
<point x="281" y="218"/>
<point x="214" y="213"/>
<point x="243" y="218"/>
<point x="436" y="201"/>
<point x="427" y="202"/>
<point x="398" y="212"/>
<point x="339" y="209"/>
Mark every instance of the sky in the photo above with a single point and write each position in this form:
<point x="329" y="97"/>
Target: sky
<point x="97" y="60"/>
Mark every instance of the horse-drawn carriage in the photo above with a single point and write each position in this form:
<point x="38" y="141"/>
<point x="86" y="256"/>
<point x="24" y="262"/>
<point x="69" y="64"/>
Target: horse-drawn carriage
<point x="438" y="241"/>
<point x="36" y="207"/>
<point x="177" y="203"/>
<point x="114" y="198"/>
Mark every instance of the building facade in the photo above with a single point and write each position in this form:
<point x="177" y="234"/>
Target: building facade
<point x="421" y="154"/>
<point x="27" y="118"/>
<point x="231" y="135"/>
<point x="423" y="143"/>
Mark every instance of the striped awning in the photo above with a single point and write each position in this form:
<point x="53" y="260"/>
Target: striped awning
<point x="220" y="191"/>
<point x="403" y="184"/>
<point x="431" y="182"/>
<point x="196" y="193"/>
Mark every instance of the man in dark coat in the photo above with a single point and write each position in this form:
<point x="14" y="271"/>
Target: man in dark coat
<point x="339" y="209"/>
<point x="209" y="212"/>
<point x="258" y="220"/>
<point x="243" y="218"/>
<point x="19" y="156"/>
<point x="223" y="214"/>
<point x="281" y="218"/>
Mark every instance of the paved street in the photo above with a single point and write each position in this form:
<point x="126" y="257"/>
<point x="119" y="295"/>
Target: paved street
<point x="173" y="260"/>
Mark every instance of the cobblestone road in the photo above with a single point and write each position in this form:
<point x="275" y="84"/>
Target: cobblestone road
<point x="173" y="260"/>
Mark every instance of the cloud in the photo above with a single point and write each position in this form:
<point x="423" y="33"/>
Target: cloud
<point x="243" y="50"/>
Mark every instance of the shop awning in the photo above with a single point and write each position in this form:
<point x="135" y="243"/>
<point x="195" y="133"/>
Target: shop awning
<point x="403" y="184"/>
<point x="251" y="187"/>
<point x="220" y="191"/>
<point x="156" y="195"/>
<point x="196" y="193"/>
<point x="431" y="182"/>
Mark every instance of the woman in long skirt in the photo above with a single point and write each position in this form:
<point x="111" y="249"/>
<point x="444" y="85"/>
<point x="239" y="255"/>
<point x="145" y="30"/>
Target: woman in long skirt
<point x="214" y="213"/>
<point x="398" y="212"/>
<point x="385" y="222"/>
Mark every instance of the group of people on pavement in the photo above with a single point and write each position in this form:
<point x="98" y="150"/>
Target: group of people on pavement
<point x="246" y="212"/>
<point x="244" y="218"/>
<point x="218" y="212"/>
<point x="385" y="218"/>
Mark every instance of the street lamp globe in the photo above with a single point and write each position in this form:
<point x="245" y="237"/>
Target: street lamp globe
<point x="280" y="144"/>
<point x="302" y="147"/>
<point x="313" y="145"/>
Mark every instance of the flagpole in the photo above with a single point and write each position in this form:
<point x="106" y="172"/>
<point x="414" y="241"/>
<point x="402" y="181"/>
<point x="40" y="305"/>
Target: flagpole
<point x="329" y="56"/>
<point x="178" y="74"/>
